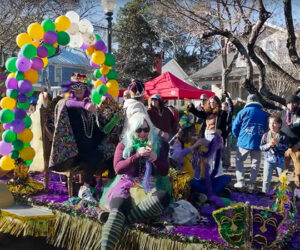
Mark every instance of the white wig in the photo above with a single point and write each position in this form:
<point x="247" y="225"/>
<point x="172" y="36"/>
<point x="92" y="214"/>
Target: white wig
<point x="135" y="122"/>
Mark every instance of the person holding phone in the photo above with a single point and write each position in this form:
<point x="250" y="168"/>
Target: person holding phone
<point x="138" y="161"/>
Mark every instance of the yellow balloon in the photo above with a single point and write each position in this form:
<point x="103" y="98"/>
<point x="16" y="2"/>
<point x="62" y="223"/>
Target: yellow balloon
<point x="23" y="39"/>
<point x="11" y="75"/>
<point x="45" y="60"/>
<point x="35" y="31"/>
<point x="104" y="69"/>
<point x="62" y="23"/>
<point x="97" y="83"/>
<point x="112" y="83"/>
<point x="55" y="45"/>
<point x="7" y="163"/>
<point x="27" y="153"/>
<point x="26" y="136"/>
<point x="98" y="57"/>
<point x="90" y="50"/>
<point x="31" y="75"/>
<point x="8" y="103"/>
<point x="36" y="43"/>
<point x="113" y="92"/>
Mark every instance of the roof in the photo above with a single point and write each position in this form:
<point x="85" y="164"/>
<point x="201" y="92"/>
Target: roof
<point x="172" y="88"/>
<point x="212" y="69"/>
<point x="69" y="56"/>
<point x="173" y="67"/>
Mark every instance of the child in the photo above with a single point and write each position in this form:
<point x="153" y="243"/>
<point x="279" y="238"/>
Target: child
<point x="274" y="143"/>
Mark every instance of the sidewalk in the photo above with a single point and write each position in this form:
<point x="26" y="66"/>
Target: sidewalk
<point x="247" y="165"/>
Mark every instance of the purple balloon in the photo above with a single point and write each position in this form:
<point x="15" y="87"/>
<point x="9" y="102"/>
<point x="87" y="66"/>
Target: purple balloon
<point x="50" y="37"/>
<point x="103" y="79"/>
<point x="11" y="83"/>
<point x="22" y="98"/>
<point x="84" y="46"/>
<point x="37" y="63"/>
<point x="23" y="64"/>
<point x="18" y="126"/>
<point x="6" y="126"/>
<point x="42" y="51"/>
<point x="5" y="148"/>
<point x="94" y="65"/>
<point x="24" y="86"/>
<point x="99" y="45"/>
<point x="108" y="95"/>
<point x="20" y="113"/>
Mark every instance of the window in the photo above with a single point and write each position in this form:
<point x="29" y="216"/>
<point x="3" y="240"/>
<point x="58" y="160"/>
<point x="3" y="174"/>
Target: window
<point x="57" y="74"/>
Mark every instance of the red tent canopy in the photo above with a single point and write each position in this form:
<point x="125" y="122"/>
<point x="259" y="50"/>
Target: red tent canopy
<point x="172" y="88"/>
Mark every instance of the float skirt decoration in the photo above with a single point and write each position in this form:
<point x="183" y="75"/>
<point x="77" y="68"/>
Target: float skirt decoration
<point x="81" y="233"/>
<point x="22" y="184"/>
<point x="27" y="221"/>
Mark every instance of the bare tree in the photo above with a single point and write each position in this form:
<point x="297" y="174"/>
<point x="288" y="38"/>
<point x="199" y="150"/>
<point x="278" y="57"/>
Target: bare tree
<point x="247" y="25"/>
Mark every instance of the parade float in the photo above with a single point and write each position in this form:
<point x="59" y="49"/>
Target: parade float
<point x="248" y="220"/>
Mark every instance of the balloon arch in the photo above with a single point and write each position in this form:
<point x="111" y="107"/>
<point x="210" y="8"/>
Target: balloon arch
<point x="36" y="46"/>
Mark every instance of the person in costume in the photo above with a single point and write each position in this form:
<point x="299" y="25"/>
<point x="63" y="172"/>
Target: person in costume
<point x="139" y="158"/>
<point x="274" y="143"/>
<point x="182" y="144"/>
<point x="78" y="134"/>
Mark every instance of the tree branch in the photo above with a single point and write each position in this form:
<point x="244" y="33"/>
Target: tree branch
<point x="291" y="41"/>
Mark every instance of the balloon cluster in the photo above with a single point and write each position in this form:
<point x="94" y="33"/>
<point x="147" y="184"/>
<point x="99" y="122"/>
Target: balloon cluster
<point x="36" y="46"/>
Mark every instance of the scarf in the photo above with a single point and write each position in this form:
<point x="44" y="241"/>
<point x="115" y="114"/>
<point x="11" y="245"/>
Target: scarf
<point x="146" y="179"/>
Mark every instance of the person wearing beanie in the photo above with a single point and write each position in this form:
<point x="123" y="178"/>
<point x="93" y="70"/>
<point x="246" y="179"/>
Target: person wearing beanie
<point x="291" y="126"/>
<point x="248" y="127"/>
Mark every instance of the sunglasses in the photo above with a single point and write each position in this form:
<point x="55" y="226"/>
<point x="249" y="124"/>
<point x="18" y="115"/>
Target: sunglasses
<point x="78" y="86"/>
<point x="146" y="130"/>
<point x="203" y="99"/>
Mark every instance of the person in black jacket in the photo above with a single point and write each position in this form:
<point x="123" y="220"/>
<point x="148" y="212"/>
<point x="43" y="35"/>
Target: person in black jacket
<point x="228" y="107"/>
<point x="212" y="107"/>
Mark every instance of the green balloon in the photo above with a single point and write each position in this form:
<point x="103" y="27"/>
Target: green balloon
<point x="110" y="60"/>
<point x="27" y="121"/>
<point x="27" y="144"/>
<point x="9" y="136"/>
<point x="48" y="25"/>
<point x="63" y="38"/>
<point x="10" y="64"/>
<point x="6" y="116"/>
<point x="19" y="75"/>
<point x="97" y="37"/>
<point x="96" y="97"/>
<point x="29" y="51"/>
<point x="17" y="145"/>
<point x="13" y="93"/>
<point x="50" y="48"/>
<point x="30" y="93"/>
<point x="27" y="163"/>
<point x="112" y="75"/>
<point x="97" y="73"/>
<point x="102" y="89"/>
<point x="23" y="105"/>
<point x="14" y="154"/>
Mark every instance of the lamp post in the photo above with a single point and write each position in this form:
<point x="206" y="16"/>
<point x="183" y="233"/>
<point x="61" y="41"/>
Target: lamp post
<point x="109" y="6"/>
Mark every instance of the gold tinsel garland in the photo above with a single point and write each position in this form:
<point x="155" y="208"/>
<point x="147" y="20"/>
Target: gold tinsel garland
<point x="21" y="183"/>
<point x="76" y="233"/>
<point x="37" y="226"/>
<point x="180" y="184"/>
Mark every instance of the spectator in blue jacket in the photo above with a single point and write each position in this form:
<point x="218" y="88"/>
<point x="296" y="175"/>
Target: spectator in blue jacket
<point x="249" y="126"/>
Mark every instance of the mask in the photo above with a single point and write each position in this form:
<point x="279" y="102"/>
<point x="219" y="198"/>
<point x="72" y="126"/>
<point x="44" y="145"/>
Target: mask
<point x="232" y="223"/>
<point x="265" y="226"/>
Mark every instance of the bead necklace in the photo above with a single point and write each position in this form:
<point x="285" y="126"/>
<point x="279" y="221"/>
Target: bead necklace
<point x="88" y="124"/>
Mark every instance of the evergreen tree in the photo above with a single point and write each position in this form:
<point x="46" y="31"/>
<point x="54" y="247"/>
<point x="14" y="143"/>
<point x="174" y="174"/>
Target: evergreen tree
<point x="136" y="55"/>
